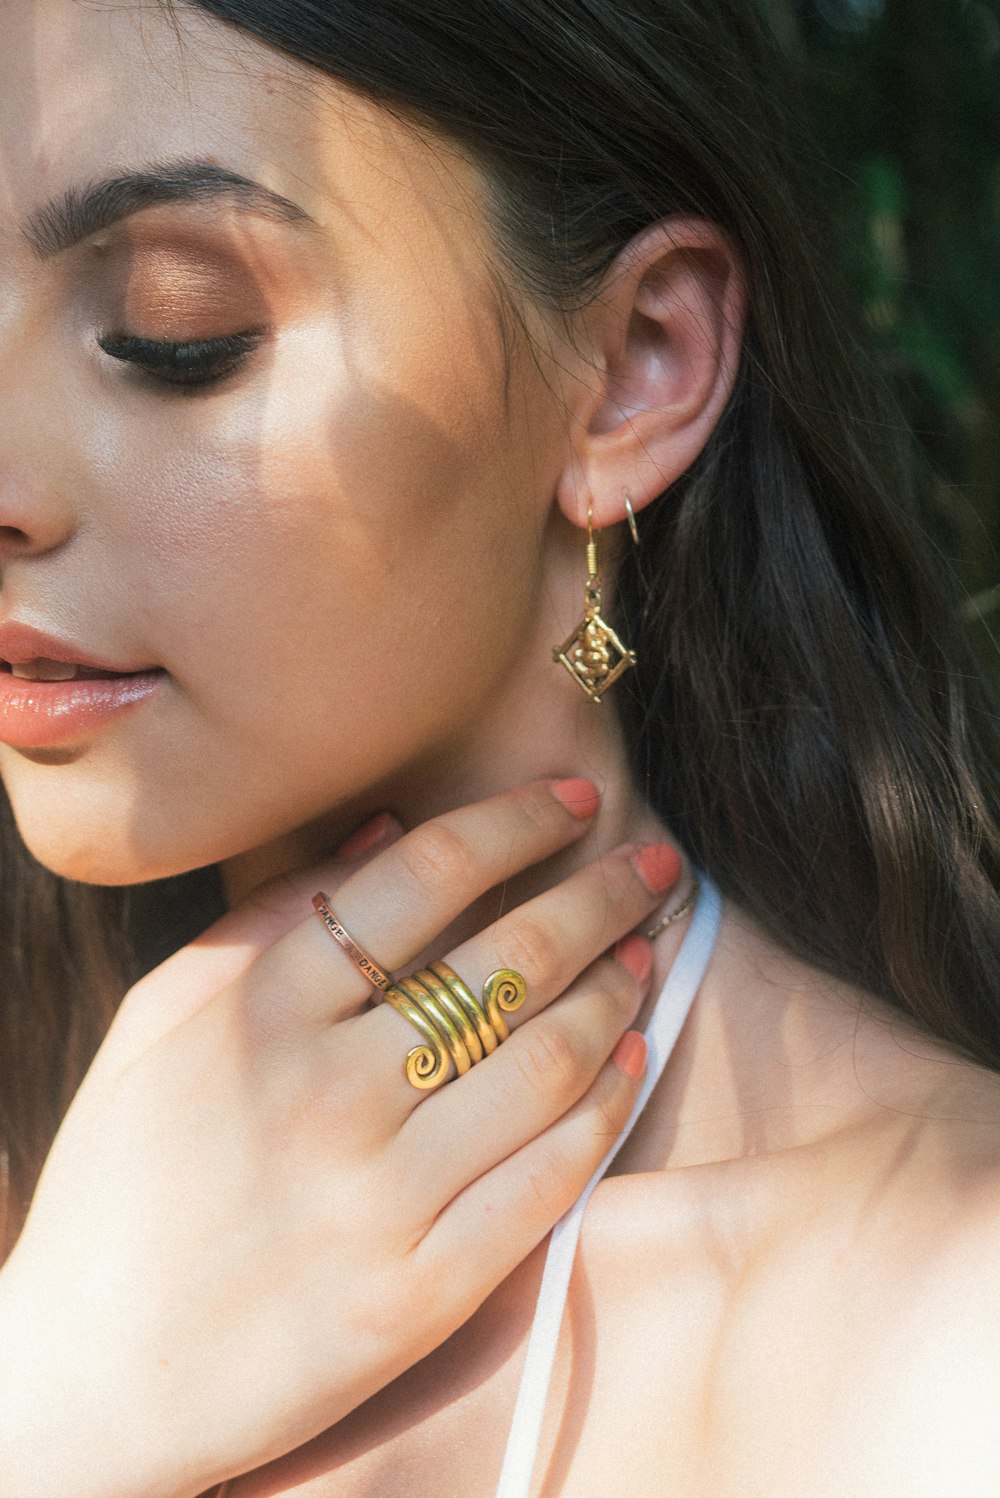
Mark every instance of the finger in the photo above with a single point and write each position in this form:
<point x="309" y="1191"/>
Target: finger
<point x="532" y="1080"/>
<point x="530" y="1190"/>
<point x="552" y="938"/>
<point x="274" y="908"/>
<point x="402" y="899"/>
<point x="549" y="940"/>
<point x="191" y="976"/>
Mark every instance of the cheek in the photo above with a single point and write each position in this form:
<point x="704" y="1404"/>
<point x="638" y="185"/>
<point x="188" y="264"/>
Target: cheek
<point x="337" y="577"/>
<point x="337" y="570"/>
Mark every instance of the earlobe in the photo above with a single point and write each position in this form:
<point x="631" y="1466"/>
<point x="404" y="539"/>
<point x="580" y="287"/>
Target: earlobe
<point x="668" y="329"/>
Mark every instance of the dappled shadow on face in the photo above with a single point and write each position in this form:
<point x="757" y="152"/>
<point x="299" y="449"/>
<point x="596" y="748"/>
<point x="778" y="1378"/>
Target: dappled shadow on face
<point x="274" y="539"/>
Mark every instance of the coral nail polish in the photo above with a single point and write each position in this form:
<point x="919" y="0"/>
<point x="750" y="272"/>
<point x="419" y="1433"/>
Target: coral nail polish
<point x="581" y="798"/>
<point x="629" y="1055"/>
<point x="368" y="835"/>
<point x="658" y="866"/>
<point x="635" y="953"/>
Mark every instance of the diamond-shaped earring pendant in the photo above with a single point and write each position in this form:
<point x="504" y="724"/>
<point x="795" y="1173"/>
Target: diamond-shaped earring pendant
<point x="593" y="654"/>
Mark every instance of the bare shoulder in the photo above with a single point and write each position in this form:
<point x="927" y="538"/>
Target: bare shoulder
<point x="903" y="1261"/>
<point x="938" y="1364"/>
<point x="813" y="1257"/>
<point x="837" y="1307"/>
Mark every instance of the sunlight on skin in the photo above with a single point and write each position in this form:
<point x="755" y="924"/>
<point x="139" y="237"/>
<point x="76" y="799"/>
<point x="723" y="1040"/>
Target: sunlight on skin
<point x="347" y="558"/>
<point x="352" y="558"/>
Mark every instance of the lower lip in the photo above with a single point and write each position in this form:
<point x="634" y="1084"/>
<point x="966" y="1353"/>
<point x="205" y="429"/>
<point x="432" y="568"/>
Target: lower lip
<point x="35" y="714"/>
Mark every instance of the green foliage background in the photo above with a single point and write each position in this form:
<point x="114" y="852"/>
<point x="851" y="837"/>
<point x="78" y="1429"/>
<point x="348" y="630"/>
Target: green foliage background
<point x="906" y="95"/>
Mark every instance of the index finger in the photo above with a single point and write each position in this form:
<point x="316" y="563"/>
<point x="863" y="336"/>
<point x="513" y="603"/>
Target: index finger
<point x="400" y="901"/>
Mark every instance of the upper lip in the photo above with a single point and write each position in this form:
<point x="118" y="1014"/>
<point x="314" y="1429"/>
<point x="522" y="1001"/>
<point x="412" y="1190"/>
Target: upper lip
<point x="19" y="644"/>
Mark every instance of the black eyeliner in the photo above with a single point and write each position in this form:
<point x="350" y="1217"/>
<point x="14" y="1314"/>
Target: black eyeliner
<point x="192" y="363"/>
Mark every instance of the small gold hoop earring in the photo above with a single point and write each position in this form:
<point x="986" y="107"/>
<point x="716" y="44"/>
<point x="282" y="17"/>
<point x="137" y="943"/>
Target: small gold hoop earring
<point x="631" y="518"/>
<point x="593" y="654"/>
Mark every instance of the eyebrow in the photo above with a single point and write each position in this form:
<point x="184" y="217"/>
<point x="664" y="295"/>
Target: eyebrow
<point x="82" y="211"/>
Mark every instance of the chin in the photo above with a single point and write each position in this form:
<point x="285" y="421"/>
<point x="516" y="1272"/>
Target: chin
<point x="97" y="856"/>
<point x="84" y="865"/>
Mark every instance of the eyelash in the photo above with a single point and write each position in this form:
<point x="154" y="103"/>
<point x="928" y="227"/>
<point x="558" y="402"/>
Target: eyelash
<point x="184" y="366"/>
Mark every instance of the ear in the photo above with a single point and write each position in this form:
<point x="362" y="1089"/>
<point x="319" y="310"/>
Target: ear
<point x="663" y="340"/>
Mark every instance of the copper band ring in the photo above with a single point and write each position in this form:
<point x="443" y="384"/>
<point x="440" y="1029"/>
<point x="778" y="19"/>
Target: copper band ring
<point x="365" y="964"/>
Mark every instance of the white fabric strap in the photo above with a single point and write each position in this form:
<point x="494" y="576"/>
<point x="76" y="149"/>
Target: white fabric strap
<point x="672" y="1006"/>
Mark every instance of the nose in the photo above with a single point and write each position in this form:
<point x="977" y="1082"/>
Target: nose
<point x="30" y="523"/>
<point x="28" y="527"/>
<point x="37" y="509"/>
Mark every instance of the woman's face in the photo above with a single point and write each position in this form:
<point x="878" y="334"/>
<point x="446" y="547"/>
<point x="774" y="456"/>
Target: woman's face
<point x="333" y="552"/>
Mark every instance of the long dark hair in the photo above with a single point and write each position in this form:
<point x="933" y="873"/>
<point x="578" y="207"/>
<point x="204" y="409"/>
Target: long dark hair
<point x="805" y="714"/>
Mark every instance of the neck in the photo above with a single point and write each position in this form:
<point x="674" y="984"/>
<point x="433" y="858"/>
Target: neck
<point x="538" y="725"/>
<point x="767" y="1035"/>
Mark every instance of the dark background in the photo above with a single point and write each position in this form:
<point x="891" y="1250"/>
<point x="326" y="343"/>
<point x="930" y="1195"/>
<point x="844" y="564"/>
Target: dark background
<point x="906" y="96"/>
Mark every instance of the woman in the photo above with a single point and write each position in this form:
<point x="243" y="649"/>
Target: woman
<point x="345" y="347"/>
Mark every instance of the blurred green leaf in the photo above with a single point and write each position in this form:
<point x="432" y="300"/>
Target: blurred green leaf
<point x="908" y="109"/>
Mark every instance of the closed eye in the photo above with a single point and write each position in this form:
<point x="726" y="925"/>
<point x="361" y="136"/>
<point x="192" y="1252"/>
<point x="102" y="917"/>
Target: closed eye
<point x="189" y="366"/>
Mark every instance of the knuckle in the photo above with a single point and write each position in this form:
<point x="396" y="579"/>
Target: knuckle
<point x="436" y="854"/>
<point x="535" y="806"/>
<point x="618" y="988"/>
<point x="624" y="891"/>
<point x="267" y="1019"/>
<point x="549" y="1061"/>
<point x="531" y="949"/>
<point x="611" y="1107"/>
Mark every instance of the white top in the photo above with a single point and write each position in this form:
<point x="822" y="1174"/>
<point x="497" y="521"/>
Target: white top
<point x="671" y="1009"/>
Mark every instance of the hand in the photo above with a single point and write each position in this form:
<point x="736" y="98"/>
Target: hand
<point x="250" y="1221"/>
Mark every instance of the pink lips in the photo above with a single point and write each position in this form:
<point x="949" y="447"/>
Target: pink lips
<point x="36" y="714"/>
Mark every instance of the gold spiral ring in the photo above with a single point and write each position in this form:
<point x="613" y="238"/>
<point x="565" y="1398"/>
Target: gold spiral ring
<point x="442" y="1021"/>
<point x="487" y="1032"/>
<point x="454" y="1025"/>
<point x="505" y="988"/>
<point x="426" y="1065"/>
<point x="442" y="995"/>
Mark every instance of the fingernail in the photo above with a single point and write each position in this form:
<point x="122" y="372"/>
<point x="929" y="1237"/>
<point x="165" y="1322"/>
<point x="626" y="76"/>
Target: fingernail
<point x="367" y="836"/>
<point x="635" y="953"/>
<point x="629" y="1055"/>
<point x="581" y="798"/>
<point x="658" y="866"/>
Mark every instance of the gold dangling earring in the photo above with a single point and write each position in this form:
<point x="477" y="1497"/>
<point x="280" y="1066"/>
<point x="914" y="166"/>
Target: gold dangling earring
<point x="593" y="654"/>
